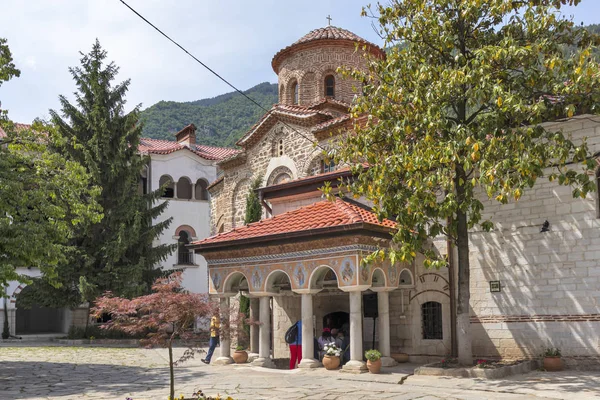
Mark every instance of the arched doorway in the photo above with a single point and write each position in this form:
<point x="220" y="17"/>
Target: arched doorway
<point x="339" y="320"/>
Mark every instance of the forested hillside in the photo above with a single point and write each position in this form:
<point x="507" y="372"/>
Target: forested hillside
<point x="220" y="121"/>
<point x="223" y="119"/>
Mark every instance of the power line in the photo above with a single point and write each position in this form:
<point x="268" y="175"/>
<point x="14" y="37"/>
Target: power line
<point x="215" y="73"/>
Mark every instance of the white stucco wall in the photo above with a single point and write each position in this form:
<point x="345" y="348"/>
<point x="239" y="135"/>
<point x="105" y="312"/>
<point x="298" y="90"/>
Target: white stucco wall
<point x="193" y="213"/>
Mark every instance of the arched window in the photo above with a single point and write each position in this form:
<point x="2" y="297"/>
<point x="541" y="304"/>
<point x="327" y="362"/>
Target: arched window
<point x="184" y="255"/>
<point x="201" y="189"/>
<point x="295" y="92"/>
<point x="167" y="183"/>
<point x="281" y="178"/>
<point x="329" y="86"/>
<point x="327" y="166"/>
<point x="184" y="188"/>
<point x="431" y="313"/>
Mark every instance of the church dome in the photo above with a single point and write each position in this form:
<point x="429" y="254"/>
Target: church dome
<point x="323" y="36"/>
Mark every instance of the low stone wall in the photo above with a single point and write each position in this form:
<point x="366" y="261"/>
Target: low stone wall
<point x="474" y="372"/>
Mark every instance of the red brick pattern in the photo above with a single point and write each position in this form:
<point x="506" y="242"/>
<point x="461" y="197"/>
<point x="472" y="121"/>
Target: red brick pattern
<point x="325" y="35"/>
<point x="492" y="319"/>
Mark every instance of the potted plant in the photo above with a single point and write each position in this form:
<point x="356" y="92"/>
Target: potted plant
<point x="400" y="357"/>
<point x="552" y="359"/>
<point x="331" y="359"/>
<point x="373" y="361"/>
<point x="240" y="356"/>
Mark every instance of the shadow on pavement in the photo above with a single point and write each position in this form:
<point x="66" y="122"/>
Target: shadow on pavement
<point x="26" y="379"/>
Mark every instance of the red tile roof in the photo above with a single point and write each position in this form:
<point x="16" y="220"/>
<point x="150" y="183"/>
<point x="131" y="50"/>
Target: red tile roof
<point x="158" y="146"/>
<point x="285" y="110"/>
<point x="328" y="33"/>
<point x="308" y="220"/>
<point x="18" y="127"/>
<point x="332" y="122"/>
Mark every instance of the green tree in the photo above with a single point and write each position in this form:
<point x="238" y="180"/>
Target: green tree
<point x="253" y="206"/>
<point x="453" y="116"/>
<point x="116" y="254"/>
<point x="43" y="197"/>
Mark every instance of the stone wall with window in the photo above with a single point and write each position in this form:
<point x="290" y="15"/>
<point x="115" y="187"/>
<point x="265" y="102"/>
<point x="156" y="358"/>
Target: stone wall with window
<point x="308" y="69"/>
<point x="549" y="279"/>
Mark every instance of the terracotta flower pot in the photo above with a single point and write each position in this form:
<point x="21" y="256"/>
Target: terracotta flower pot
<point x="374" y="366"/>
<point x="400" y="357"/>
<point x="553" y="364"/>
<point x="240" y="356"/>
<point x="331" y="362"/>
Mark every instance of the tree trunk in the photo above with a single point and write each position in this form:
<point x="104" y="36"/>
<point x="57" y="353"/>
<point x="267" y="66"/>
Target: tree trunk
<point x="171" y="373"/>
<point x="463" y="323"/>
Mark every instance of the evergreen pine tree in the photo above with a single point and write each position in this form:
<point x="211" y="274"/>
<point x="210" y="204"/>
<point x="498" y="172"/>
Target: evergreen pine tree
<point x="116" y="254"/>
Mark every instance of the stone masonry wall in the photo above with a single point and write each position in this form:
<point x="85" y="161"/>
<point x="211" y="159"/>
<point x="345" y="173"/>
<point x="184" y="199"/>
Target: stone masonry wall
<point x="229" y="199"/>
<point x="309" y="67"/>
<point x="550" y="281"/>
<point x="286" y="311"/>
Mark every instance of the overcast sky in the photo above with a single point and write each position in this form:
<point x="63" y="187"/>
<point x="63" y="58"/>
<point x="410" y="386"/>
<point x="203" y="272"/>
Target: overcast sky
<point x="237" y="38"/>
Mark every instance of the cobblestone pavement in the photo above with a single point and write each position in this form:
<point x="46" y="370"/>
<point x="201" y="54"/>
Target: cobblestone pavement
<point x="55" y="372"/>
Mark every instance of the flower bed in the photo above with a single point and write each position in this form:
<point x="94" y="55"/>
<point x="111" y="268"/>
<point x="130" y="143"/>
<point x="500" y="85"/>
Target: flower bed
<point x="483" y="368"/>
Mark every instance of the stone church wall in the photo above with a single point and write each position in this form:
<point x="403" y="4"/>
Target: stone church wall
<point x="550" y="281"/>
<point x="309" y="67"/>
<point x="229" y="198"/>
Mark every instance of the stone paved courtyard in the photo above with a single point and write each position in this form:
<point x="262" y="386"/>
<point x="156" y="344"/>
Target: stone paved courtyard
<point x="55" y="372"/>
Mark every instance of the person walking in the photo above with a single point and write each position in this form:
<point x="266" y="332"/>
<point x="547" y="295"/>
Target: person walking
<point x="296" y="346"/>
<point x="215" y="324"/>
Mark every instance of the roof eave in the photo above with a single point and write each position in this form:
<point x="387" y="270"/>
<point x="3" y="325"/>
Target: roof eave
<point x="378" y="230"/>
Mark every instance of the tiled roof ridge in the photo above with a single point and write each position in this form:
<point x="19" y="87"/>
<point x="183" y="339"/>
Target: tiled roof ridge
<point x="294" y="110"/>
<point x="325" y="33"/>
<point x="325" y="100"/>
<point x="349" y="209"/>
<point x="164" y="146"/>
<point x="18" y="126"/>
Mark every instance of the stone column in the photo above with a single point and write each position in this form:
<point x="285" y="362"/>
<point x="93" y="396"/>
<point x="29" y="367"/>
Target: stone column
<point x="308" y="344"/>
<point x="194" y="191"/>
<point x="356" y="363"/>
<point x="264" y="346"/>
<point x="383" y="311"/>
<point x="225" y="346"/>
<point x="254" y="335"/>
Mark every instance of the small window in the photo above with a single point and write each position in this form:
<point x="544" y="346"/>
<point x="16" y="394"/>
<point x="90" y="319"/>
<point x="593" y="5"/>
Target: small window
<point x="295" y="92"/>
<point x="329" y="86"/>
<point x="280" y="148"/>
<point x="432" y="320"/>
<point x="166" y="183"/>
<point x="327" y="166"/>
<point x="184" y="255"/>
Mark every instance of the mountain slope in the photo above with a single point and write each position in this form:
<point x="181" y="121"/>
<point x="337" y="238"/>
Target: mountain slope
<point x="220" y="120"/>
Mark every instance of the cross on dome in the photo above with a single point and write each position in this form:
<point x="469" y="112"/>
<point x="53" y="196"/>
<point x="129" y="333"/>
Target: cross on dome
<point x="329" y="20"/>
